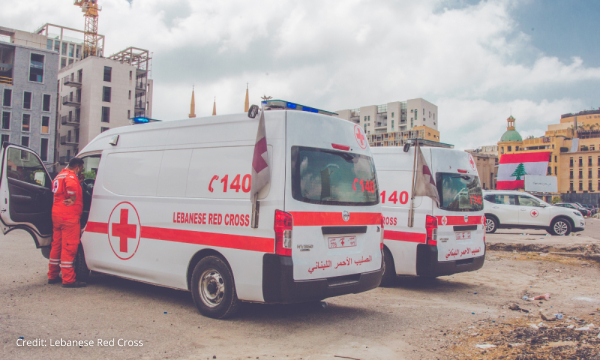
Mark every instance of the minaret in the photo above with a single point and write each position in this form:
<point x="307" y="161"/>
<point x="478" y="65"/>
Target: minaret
<point x="247" y="103"/>
<point x="193" y="106"/>
<point x="215" y="107"/>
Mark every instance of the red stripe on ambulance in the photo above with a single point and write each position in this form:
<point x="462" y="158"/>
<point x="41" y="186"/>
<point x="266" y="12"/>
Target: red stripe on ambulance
<point x="239" y="242"/>
<point x="309" y="218"/>
<point x="404" y="236"/>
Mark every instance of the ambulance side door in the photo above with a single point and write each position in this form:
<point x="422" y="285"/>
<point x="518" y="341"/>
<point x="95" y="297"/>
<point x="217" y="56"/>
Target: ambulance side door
<point x="26" y="194"/>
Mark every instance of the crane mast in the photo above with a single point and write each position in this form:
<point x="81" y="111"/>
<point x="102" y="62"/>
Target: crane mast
<point x="90" y="11"/>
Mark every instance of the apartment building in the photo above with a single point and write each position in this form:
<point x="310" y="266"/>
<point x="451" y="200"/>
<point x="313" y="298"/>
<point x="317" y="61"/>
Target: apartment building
<point x="67" y="42"/>
<point x="97" y="94"/>
<point x="393" y="123"/>
<point x="28" y="96"/>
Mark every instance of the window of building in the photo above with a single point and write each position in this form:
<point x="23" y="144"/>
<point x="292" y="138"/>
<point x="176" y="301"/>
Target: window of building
<point x="46" y="102"/>
<point x="5" y="120"/>
<point x="27" y="98"/>
<point x="571" y="187"/>
<point x="592" y="148"/>
<point x="501" y="150"/>
<point x="5" y="138"/>
<point x="107" y="73"/>
<point x="555" y="172"/>
<point x="78" y="52"/>
<point x="49" y="44"/>
<point x="571" y="162"/>
<point x="69" y="157"/>
<point x="550" y="159"/>
<point x="549" y="170"/>
<point x="589" y="173"/>
<point x="44" y="149"/>
<point x="7" y="101"/>
<point x="365" y="129"/>
<point x="555" y="159"/>
<point x="45" y="124"/>
<point x="580" y="161"/>
<point x="36" y="68"/>
<point x="571" y="174"/>
<point x="25" y="141"/>
<point x="130" y="75"/>
<point x="581" y="174"/>
<point x="64" y="49"/>
<point x="509" y="148"/>
<point x="580" y="186"/>
<point x="589" y="161"/>
<point x="129" y="114"/>
<point x="106" y="115"/>
<point x="106" y="93"/>
<point x="71" y="50"/>
<point x="26" y="122"/>
<point x="63" y="62"/>
<point x="516" y="148"/>
<point x="423" y="112"/>
<point x="129" y="94"/>
<point x="590" y="186"/>
<point x="103" y="129"/>
<point x="392" y="124"/>
<point x="392" y="115"/>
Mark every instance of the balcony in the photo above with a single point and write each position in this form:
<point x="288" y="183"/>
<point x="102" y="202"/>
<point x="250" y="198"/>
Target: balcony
<point x="6" y="80"/>
<point x="72" y="80"/>
<point x="65" y="120"/>
<point x="66" y="140"/>
<point x="71" y="100"/>
<point x="139" y="105"/>
<point x="140" y="88"/>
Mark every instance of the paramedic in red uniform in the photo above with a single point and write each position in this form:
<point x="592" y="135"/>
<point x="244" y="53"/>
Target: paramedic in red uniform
<point x="66" y="213"/>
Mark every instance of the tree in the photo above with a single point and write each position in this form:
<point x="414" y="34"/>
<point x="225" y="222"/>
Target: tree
<point x="556" y="199"/>
<point x="519" y="171"/>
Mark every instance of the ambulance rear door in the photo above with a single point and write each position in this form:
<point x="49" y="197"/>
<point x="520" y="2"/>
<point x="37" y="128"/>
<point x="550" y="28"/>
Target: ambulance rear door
<point x="461" y="229"/>
<point x="26" y="194"/>
<point x="332" y="195"/>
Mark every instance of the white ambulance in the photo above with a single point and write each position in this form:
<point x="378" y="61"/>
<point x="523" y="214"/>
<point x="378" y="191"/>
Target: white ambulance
<point x="168" y="204"/>
<point x="443" y="240"/>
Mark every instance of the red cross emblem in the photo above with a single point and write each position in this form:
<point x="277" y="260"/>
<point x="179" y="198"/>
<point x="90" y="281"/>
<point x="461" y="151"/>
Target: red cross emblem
<point x="472" y="162"/>
<point x="360" y="138"/>
<point x="444" y="220"/>
<point x="534" y="213"/>
<point x="124" y="230"/>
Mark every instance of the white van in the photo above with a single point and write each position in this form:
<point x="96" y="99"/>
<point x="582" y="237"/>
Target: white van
<point x="168" y="203"/>
<point x="443" y="240"/>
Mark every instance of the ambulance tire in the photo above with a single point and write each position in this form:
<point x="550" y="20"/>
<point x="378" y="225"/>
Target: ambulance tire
<point x="82" y="273"/>
<point x="389" y="269"/>
<point x="213" y="288"/>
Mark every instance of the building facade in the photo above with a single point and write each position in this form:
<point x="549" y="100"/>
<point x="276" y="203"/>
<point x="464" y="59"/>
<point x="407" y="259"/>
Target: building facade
<point x="28" y="95"/>
<point x="575" y="150"/>
<point x="487" y="166"/>
<point x="97" y="94"/>
<point x="392" y="123"/>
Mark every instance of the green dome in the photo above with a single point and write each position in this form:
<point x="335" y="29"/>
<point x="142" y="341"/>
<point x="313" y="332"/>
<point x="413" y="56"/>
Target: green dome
<point x="511" y="135"/>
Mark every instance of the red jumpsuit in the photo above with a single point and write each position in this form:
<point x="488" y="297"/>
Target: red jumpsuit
<point x="65" y="222"/>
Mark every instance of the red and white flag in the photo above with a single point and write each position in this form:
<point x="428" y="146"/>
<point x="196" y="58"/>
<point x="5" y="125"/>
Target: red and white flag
<point x="514" y="167"/>
<point x="261" y="174"/>
<point x="424" y="183"/>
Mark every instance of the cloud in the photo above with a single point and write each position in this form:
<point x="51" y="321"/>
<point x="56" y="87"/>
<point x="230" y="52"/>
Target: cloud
<point x="466" y="57"/>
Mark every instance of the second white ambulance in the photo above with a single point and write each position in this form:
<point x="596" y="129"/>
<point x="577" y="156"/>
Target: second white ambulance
<point x="168" y="203"/>
<point x="443" y="240"/>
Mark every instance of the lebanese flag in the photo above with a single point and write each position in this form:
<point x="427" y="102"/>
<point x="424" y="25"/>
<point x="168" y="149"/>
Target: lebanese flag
<point x="514" y="167"/>
<point x="261" y="175"/>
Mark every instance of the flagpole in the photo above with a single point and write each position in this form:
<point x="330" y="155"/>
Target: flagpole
<point x="411" y="211"/>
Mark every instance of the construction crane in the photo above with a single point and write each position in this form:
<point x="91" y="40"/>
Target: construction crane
<point x="90" y="11"/>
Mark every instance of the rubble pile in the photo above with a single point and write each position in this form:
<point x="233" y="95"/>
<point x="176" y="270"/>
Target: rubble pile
<point x="525" y="339"/>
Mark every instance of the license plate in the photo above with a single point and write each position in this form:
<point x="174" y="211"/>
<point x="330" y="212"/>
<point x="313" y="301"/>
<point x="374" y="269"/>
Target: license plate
<point x="341" y="242"/>
<point x="463" y="235"/>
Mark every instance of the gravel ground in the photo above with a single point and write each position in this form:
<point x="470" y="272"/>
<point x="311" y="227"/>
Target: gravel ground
<point x="415" y="319"/>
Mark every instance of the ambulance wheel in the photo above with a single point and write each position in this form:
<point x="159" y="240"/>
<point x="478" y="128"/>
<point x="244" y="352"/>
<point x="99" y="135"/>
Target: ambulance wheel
<point x="561" y="227"/>
<point x="213" y="288"/>
<point x="491" y="224"/>
<point x="82" y="273"/>
<point x="389" y="269"/>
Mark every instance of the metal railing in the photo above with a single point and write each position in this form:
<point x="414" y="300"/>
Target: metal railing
<point x="71" y="99"/>
<point x="71" y="80"/>
<point x="65" y="120"/>
<point x="65" y="140"/>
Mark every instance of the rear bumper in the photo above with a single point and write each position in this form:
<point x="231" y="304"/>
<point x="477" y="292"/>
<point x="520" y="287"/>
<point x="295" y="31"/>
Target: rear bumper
<point x="279" y="285"/>
<point x="429" y="265"/>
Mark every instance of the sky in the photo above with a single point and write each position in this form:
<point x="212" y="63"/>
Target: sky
<point x="478" y="61"/>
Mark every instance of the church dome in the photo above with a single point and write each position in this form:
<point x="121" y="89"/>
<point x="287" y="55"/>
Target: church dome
<point x="511" y="135"/>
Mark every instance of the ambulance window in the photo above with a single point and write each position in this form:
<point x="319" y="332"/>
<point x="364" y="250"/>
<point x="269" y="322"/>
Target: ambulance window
<point x="90" y="166"/>
<point x="333" y="177"/>
<point x="459" y="192"/>
<point x="25" y="166"/>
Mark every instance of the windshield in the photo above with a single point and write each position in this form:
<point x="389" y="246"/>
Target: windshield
<point x="459" y="192"/>
<point x="333" y="177"/>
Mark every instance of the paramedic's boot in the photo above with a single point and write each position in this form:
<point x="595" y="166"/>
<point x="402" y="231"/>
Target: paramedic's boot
<point x="55" y="281"/>
<point x="76" y="284"/>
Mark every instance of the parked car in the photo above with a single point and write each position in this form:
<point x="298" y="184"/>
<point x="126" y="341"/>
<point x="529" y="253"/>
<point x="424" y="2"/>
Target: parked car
<point x="581" y="209"/>
<point x="520" y="210"/>
<point x="592" y="208"/>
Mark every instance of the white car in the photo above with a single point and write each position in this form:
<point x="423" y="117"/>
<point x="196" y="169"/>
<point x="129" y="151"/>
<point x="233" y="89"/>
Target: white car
<point x="520" y="210"/>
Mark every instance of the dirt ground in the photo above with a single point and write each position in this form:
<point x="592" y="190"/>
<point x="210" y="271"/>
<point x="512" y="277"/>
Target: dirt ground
<point x="415" y="319"/>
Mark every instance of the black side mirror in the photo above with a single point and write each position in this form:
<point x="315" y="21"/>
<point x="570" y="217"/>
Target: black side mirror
<point x="253" y="111"/>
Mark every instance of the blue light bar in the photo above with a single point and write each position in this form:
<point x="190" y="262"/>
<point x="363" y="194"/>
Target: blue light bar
<point x="141" y="120"/>
<point x="304" y="108"/>
<point x="292" y="105"/>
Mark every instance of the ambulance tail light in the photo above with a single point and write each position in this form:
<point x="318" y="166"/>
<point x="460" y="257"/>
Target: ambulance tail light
<point x="382" y="223"/>
<point x="431" y="225"/>
<point x="283" y="233"/>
